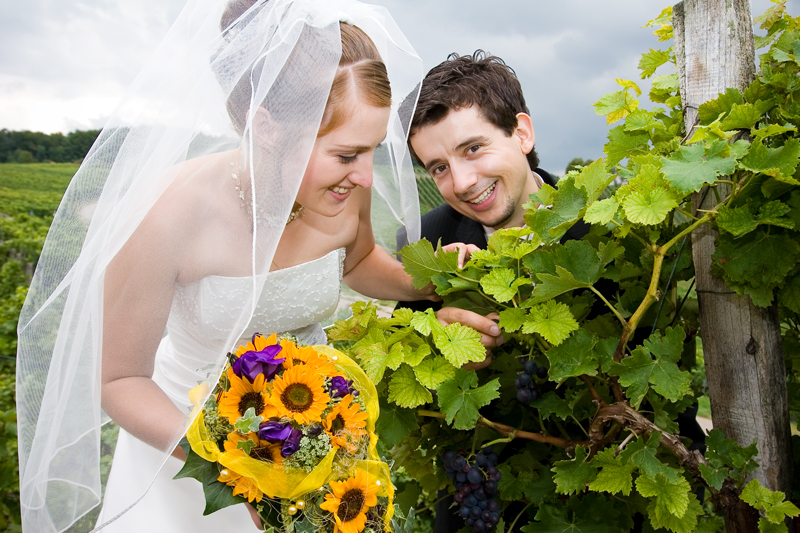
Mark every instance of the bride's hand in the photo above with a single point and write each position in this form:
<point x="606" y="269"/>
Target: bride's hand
<point x="254" y="515"/>
<point x="464" y="251"/>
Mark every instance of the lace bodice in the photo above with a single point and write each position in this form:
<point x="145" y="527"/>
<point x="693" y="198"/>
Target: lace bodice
<point x="293" y="300"/>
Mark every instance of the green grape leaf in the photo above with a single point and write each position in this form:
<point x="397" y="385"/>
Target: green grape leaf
<point x="789" y="295"/>
<point x="770" y="502"/>
<point x="414" y="355"/>
<point x="551" y="404"/>
<point x="688" y="170"/>
<point x="574" y="357"/>
<point x="422" y="263"/>
<point x="375" y="358"/>
<point x="666" y="82"/>
<point x="550" y="519"/>
<point x="687" y="523"/>
<point x="772" y="213"/>
<point x="425" y="322"/>
<point x="672" y="496"/>
<point x="742" y="117"/>
<point x="649" y="207"/>
<point x="551" y="286"/>
<point x="565" y="206"/>
<point x="617" y="105"/>
<point x="643" y="120"/>
<point x="643" y="454"/>
<point x="651" y="60"/>
<point x="770" y="130"/>
<point x="502" y="284"/>
<point x="552" y="320"/>
<point x="736" y="220"/>
<point x="573" y="476"/>
<point x="614" y="475"/>
<point x="623" y="144"/>
<point x="593" y="179"/>
<point x="434" y="371"/>
<point x="460" y="400"/>
<point x="638" y="371"/>
<point x="601" y="211"/>
<point x="777" y="162"/>
<point x="715" y="476"/>
<point x="711" y="110"/>
<point x="459" y="344"/>
<point x="511" y="319"/>
<point x="755" y="263"/>
<point x="249" y="422"/>
<point x="405" y="390"/>
<point x="765" y="526"/>
<point x="512" y="487"/>
<point x="394" y="423"/>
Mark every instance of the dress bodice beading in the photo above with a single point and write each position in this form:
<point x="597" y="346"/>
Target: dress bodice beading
<point x="293" y="300"/>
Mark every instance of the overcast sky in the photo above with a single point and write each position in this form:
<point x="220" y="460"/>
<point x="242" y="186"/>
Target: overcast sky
<point x="65" y="63"/>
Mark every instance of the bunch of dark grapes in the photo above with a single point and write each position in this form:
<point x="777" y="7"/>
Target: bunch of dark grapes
<point x="476" y="487"/>
<point x="527" y="390"/>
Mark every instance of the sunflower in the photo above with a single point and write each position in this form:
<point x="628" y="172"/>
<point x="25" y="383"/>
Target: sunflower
<point x="299" y="394"/>
<point x="242" y="395"/>
<point x="307" y="355"/>
<point x="263" y="450"/>
<point x="241" y="485"/>
<point x="345" y="423"/>
<point x="350" y="501"/>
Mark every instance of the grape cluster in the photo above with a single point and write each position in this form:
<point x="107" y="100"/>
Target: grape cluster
<point x="527" y="390"/>
<point x="476" y="487"/>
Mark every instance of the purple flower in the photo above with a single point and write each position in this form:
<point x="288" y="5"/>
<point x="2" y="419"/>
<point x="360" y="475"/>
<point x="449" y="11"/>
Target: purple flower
<point x="292" y="443"/>
<point x="339" y="387"/>
<point x="252" y="363"/>
<point x="274" y="431"/>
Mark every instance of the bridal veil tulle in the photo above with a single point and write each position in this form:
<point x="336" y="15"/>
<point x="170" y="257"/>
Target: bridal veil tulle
<point x="284" y="53"/>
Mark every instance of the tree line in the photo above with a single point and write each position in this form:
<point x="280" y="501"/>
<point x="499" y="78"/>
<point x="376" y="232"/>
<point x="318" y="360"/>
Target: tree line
<point x="33" y="146"/>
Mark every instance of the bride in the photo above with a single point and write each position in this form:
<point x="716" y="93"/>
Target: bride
<point x="186" y="230"/>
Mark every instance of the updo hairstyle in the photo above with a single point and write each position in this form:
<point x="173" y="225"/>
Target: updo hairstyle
<point x="361" y="76"/>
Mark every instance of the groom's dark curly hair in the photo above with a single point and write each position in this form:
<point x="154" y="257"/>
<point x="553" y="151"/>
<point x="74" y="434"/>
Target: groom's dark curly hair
<point x="477" y="79"/>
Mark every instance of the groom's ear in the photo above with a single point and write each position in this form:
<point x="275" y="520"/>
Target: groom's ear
<point x="524" y="132"/>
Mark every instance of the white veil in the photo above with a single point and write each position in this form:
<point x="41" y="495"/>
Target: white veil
<point x="287" y="52"/>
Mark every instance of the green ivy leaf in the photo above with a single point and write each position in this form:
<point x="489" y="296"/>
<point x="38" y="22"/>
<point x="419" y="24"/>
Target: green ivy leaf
<point x="552" y="320"/>
<point x="502" y="284"/>
<point x="573" y="476"/>
<point x="249" y="422"/>
<point x="198" y="468"/>
<point x="218" y="496"/>
<point x="614" y="475"/>
<point x="460" y="400"/>
<point x="689" y="169"/>
<point x="405" y="390"/>
<point x="395" y="423"/>
<point x="434" y="371"/>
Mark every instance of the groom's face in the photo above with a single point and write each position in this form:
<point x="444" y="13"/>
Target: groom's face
<point x="482" y="172"/>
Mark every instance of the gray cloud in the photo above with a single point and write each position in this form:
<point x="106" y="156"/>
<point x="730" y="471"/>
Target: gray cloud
<point x="71" y="60"/>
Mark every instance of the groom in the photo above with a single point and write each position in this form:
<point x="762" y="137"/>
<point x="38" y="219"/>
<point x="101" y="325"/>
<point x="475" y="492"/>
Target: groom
<point x="473" y="134"/>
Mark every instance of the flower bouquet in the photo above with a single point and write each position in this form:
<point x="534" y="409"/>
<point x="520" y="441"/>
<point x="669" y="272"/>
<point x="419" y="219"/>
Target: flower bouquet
<point x="290" y="429"/>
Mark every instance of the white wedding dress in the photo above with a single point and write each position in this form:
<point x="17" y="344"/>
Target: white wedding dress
<point x="293" y="300"/>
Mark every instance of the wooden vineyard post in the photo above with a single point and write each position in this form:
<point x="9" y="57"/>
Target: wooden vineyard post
<point x="741" y="342"/>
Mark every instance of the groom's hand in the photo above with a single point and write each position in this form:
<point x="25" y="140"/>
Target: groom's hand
<point x="485" y="325"/>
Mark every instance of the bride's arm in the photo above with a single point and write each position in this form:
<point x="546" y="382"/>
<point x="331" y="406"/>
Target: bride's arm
<point x="138" y="290"/>
<point x="370" y="270"/>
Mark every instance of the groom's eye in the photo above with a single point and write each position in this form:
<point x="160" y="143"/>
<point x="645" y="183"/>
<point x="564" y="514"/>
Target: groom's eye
<point x="347" y="159"/>
<point x="474" y="148"/>
<point x="438" y="170"/>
